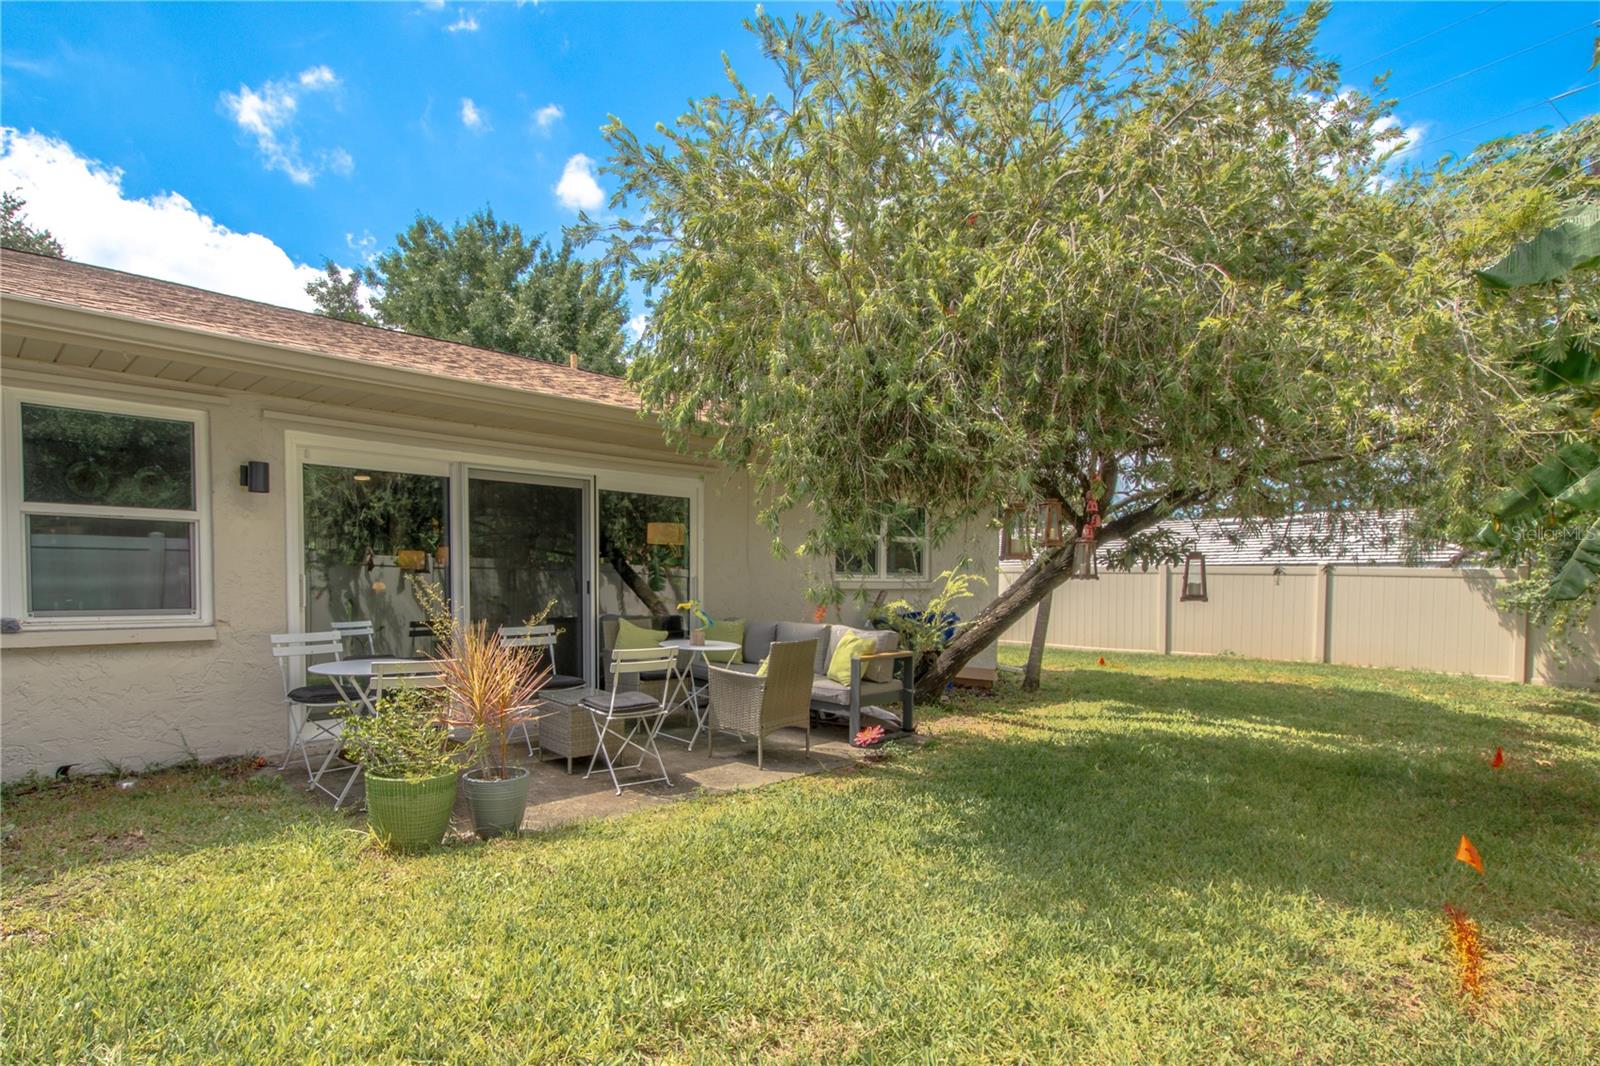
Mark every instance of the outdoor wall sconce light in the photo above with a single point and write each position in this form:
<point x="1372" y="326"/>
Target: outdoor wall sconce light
<point x="1194" y="577"/>
<point x="254" y="476"/>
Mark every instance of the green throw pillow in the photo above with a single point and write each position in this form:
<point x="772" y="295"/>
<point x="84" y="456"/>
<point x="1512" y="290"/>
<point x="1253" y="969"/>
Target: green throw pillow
<point x="761" y="671"/>
<point x="849" y="647"/>
<point x="730" y="630"/>
<point x="632" y="636"/>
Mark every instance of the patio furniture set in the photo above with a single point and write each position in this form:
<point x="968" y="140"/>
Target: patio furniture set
<point x="777" y="675"/>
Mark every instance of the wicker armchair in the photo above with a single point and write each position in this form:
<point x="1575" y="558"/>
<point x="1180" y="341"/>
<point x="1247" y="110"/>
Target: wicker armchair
<point x="755" y="705"/>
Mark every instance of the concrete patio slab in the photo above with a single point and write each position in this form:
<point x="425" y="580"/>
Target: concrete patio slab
<point x="557" y="798"/>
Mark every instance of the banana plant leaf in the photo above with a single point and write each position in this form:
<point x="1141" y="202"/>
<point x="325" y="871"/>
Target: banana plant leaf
<point x="1546" y="481"/>
<point x="1488" y="536"/>
<point x="1566" y="364"/>
<point x="1582" y="570"/>
<point x="1571" y="244"/>
<point x="1583" y="494"/>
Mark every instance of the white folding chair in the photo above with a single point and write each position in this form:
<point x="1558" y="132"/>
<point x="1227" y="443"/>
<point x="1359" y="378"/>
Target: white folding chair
<point x="543" y="637"/>
<point x="386" y="677"/>
<point x="311" y="706"/>
<point x="351" y="632"/>
<point x="632" y="717"/>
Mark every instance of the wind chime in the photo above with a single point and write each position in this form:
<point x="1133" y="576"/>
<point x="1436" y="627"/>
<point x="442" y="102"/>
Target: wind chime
<point x="1084" y="564"/>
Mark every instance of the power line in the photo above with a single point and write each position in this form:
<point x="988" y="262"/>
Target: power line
<point x="1425" y="36"/>
<point x="1452" y="135"/>
<point x="1492" y="63"/>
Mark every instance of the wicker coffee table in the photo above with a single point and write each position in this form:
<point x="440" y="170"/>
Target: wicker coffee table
<point x="567" y="731"/>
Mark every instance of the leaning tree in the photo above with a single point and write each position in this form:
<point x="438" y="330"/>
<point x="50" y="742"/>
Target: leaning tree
<point x="977" y="259"/>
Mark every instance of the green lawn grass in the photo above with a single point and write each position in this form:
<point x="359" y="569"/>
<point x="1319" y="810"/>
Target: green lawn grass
<point x="1154" y="860"/>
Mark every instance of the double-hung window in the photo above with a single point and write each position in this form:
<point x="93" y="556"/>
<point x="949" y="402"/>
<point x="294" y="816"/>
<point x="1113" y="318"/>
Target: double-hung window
<point x="899" y="553"/>
<point x="110" y="505"/>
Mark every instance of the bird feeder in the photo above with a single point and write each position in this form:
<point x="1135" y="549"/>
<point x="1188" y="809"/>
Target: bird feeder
<point x="1194" y="577"/>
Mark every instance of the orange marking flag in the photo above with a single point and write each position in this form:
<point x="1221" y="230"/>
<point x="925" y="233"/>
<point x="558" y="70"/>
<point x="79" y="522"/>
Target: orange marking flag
<point x="1468" y="854"/>
<point x="1499" y="759"/>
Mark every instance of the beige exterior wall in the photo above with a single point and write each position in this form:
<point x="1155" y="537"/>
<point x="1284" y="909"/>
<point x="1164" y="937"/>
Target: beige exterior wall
<point x="1408" y="617"/>
<point x="134" y="697"/>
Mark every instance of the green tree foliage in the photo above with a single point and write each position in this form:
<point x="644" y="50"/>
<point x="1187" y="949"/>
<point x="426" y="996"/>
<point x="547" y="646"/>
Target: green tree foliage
<point x="482" y="282"/>
<point x="17" y="234"/>
<point x="338" y="295"/>
<point x="981" y="257"/>
<point x="1550" y="514"/>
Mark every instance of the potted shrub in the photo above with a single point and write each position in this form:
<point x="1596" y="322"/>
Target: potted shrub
<point x="404" y="750"/>
<point x="492" y="688"/>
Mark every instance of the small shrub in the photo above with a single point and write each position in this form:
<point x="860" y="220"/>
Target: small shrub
<point x="404" y="737"/>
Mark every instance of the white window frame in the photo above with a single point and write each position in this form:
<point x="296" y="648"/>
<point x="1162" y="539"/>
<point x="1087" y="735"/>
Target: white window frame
<point x="14" y="603"/>
<point x="880" y="574"/>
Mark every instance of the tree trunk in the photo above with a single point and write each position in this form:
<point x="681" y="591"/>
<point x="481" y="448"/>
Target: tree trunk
<point x="1041" y="625"/>
<point x="637" y="584"/>
<point x="1035" y="583"/>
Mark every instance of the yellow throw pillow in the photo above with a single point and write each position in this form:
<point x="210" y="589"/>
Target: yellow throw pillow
<point x="849" y="647"/>
<point x="761" y="671"/>
<point x="730" y="630"/>
<point x="632" y="636"/>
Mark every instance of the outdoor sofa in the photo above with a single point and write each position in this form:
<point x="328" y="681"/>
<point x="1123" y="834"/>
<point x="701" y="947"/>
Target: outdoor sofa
<point x="885" y="675"/>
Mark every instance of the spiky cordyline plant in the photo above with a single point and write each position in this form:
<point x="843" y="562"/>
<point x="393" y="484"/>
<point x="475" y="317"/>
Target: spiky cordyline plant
<point x="491" y="686"/>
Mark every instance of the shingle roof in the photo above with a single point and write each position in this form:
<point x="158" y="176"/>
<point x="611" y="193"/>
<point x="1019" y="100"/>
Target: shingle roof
<point x="1371" y="537"/>
<point x="114" y="292"/>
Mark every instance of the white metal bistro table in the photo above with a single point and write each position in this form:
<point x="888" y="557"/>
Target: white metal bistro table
<point x="349" y="676"/>
<point x="682" y="687"/>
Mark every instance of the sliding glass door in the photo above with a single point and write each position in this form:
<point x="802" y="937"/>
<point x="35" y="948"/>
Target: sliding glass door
<point x="371" y="536"/>
<point x="526" y="556"/>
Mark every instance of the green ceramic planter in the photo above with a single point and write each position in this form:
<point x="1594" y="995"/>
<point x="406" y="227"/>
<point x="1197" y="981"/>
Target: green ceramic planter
<point x="497" y="805"/>
<point x="410" y="814"/>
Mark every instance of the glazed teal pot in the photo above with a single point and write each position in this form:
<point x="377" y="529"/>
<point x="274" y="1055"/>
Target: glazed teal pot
<point x="497" y="803"/>
<point x="410" y="814"/>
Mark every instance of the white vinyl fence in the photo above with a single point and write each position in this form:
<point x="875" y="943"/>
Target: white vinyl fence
<point x="1410" y="617"/>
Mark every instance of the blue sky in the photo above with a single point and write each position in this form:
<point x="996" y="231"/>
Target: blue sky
<point x="235" y="146"/>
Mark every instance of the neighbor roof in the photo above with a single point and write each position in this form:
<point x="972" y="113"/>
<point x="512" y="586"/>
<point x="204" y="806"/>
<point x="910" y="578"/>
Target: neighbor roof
<point x="1371" y="537"/>
<point x="113" y="292"/>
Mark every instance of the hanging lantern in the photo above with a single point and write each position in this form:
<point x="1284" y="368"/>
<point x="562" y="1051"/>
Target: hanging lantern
<point x="1053" y="519"/>
<point x="1085" y="565"/>
<point x="1194" y="577"/>
<point x="1016" y="536"/>
<point x="1026" y="530"/>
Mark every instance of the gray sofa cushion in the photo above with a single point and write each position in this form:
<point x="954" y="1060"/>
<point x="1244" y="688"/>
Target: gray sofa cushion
<point x="884" y="639"/>
<point x="758" y="639"/>
<point x="826" y="690"/>
<point x="807" y="631"/>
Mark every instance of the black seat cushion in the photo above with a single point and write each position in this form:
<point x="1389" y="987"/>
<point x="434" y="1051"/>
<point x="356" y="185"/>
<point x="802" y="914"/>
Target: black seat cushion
<point x="319" y="695"/>
<point x="564" y="681"/>
<point x="625" y="701"/>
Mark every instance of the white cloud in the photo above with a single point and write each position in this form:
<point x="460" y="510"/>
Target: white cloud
<point x="81" y="202"/>
<point x="268" y="115"/>
<point x="464" y="23"/>
<point x="318" y="77"/>
<point x="637" y="325"/>
<point x="472" y="117"/>
<point x="548" y="116"/>
<point x="578" y="190"/>
<point x="1408" y="141"/>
